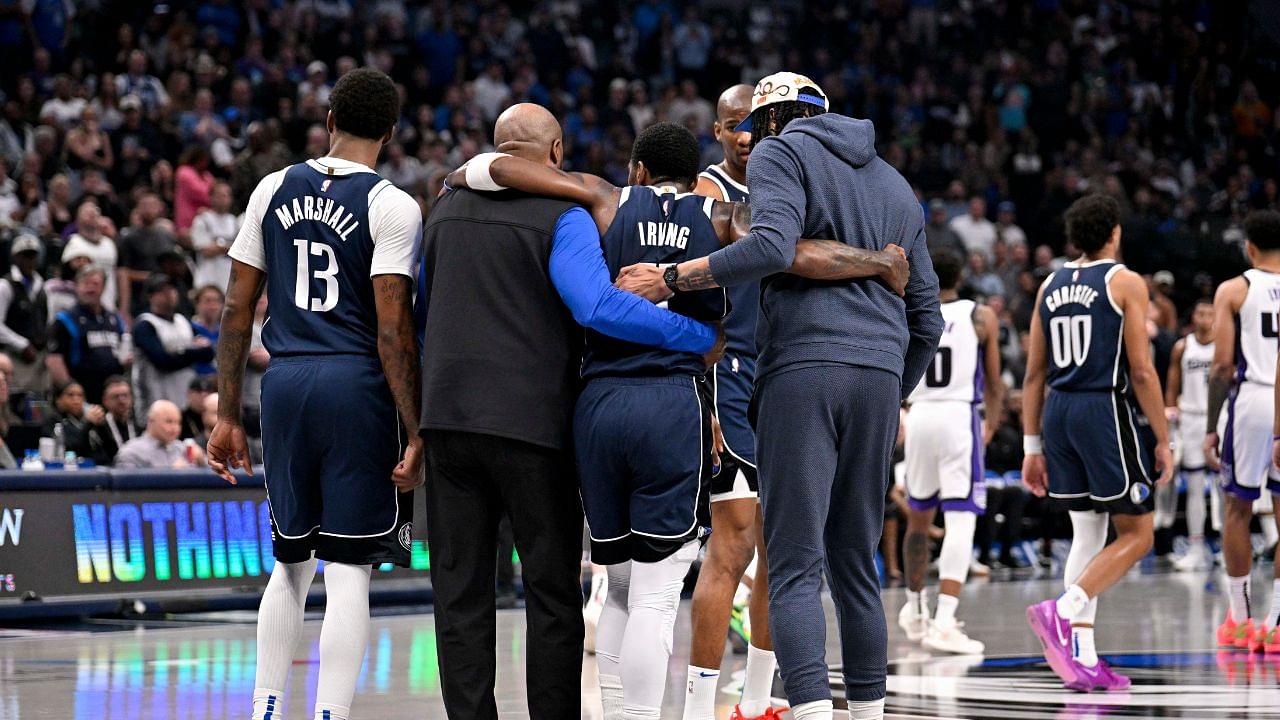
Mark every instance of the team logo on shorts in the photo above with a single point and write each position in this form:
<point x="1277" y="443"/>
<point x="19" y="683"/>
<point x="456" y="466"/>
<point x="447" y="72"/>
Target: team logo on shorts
<point x="1139" y="492"/>
<point x="405" y="535"/>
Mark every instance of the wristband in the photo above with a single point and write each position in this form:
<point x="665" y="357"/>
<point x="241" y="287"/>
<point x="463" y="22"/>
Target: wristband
<point x="1032" y="445"/>
<point x="478" y="177"/>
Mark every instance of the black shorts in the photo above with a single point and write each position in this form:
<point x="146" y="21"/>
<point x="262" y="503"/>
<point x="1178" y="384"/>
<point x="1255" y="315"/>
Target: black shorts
<point x="737" y="480"/>
<point x="1099" y="450"/>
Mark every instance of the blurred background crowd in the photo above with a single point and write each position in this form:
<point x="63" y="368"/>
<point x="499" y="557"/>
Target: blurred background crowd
<point x="132" y="134"/>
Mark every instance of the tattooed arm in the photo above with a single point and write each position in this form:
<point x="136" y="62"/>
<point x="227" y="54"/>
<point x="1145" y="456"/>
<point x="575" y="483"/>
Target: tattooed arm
<point x="398" y="351"/>
<point x="228" y="448"/>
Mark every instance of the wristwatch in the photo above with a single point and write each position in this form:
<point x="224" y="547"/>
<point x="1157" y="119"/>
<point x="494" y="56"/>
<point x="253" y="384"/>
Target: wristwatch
<point x="670" y="276"/>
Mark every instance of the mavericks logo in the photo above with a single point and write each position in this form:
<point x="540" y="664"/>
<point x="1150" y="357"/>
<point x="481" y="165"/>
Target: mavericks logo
<point x="406" y="535"/>
<point x="1139" y="493"/>
<point x="11" y="526"/>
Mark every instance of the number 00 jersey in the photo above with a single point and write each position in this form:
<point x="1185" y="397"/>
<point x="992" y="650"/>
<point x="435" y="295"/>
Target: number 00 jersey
<point x="1083" y="329"/>
<point x="321" y="230"/>
<point x="1257" y="329"/>
<point x="956" y="371"/>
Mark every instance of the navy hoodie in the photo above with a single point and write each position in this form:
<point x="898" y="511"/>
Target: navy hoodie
<point x="821" y="178"/>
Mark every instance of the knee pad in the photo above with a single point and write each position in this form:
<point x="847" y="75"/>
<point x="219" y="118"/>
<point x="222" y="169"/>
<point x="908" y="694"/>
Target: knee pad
<point x="957" y="545"/>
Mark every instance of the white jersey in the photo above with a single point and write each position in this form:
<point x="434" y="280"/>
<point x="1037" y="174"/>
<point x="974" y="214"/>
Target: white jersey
<point x="956" y="371"/>
<point x="1197" y="358"/>
<point x="1258" y="327"/>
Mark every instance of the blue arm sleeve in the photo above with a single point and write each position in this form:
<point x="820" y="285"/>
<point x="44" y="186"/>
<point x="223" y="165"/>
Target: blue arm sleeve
<point x="777" y="217"/>
<point x="579" y="273"/>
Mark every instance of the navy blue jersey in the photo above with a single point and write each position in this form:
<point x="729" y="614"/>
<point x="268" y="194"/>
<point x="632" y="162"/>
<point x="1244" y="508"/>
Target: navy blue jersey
<point x="744" y="298"/>
<point x="661" y="226"/>
<point x="1083" y="329"/>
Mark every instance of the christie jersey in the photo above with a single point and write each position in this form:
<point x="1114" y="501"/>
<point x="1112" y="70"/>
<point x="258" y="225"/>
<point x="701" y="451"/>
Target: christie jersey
<point x="1257" y="328"/>
<point x="321" y="230"/>
<point x="744" y="298"/>
<point x="1197" y="359"/>
<point x="956" y="371"/>
<point x="1083" y="329"/>
<point x="656" y="225"/>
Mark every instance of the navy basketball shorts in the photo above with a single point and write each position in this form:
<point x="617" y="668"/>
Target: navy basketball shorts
<point x="643" y="449"/>
<point x="1100" y="453"/>
<point x="944" y="463"/>
<point x="331" y="437"/>
<point x="1244" y="431"/>
<point x="731" y="389"/>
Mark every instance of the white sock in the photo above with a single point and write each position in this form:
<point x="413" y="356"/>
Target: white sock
<point x="700" y="693"/>
<point x="1195" y="510"/>
<point x="1082" y="648"/>
<point x="816" y="710"/>
<point x="344" y="637"/>
<point x="279" y="625"/>
<point x="1273" y="617"/>
<point x="1072" y="602"/>
<point x="268" y="704"/>
<point x="757" y="686"/>
<point x="611" y="696"/>
<point x="919" y="601"/>
<point x="866" y="709"/>
<point x="945" y="616"/>
<point x="652" y="603"/>
<point x="1238" y="593"/>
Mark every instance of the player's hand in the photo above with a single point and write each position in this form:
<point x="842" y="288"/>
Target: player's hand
<point x="1173" y="415"/>
<point x="228" y="449"/>
<point x="717" y="444"/>
<point x="899" y="270"/>
<point x="988" y="432"/>
<point x="1164" y="463"/>
<point x="408" y="474"/>
<point x="1034" y="476"/>
<point x="644" y="280"/>
<point x="1211" y="451"/>
<point x="95" y="414"/>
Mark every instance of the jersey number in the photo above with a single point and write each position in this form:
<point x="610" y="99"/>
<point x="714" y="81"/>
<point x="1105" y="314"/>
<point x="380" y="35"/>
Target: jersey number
<point x="329" y="275"/>
<point x="1269" y="329"/>
<point x="939" y="374"/>
<point x="1070" y="337"/>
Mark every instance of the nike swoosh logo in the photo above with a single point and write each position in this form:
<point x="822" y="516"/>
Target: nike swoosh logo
<point x="702" y="674"/>
<point x="1057" y="628"/>
<point x="1090" y="671"/>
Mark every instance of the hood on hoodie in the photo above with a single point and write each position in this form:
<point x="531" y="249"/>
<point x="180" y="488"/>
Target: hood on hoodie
<point x="850" y="139"/>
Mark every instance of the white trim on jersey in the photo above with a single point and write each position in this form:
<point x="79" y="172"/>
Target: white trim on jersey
<point x="715" y="403"/>
<point x="707" y="205"/>
<point x="724" y="191"/>
<point x="720" y="176"/>
<point x="1091" y="263"/>
<point x="624" y="196"/>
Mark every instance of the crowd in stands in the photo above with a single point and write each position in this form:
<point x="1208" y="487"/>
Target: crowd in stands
<point x="132" y="134"/>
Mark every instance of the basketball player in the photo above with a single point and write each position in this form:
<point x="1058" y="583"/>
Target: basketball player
<point x="1245" y="327"/>
<point x="634" y="633"/>
<point x="1187" y="397"/>
<point x="1089" y="344"/>
<point x="340" y="246"/>
<point x="736" y="545"/>
<point x="945" y="438"/>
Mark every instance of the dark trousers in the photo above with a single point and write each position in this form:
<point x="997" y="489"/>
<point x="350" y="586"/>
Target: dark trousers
<point x="472" y="481"/>
<point x="824" y="437"/>
<point x="1006" y="501"/>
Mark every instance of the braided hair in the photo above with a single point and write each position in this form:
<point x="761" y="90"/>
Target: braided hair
<point x="770" y="121"/>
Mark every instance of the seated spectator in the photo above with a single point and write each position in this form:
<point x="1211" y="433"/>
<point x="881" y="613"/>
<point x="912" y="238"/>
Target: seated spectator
<point x="24" y="315"/>
<point x="167" y="346"/>
<point x="193" y="414"/>
<point x="117" y="425"/>
<point x="85" y="341"/>
<point x="159" y="447"/>
<point x="207" y="322"/>
<point x="91" y="240"/>
<point x="211" y="234"/>
<point x="70" y="412"/>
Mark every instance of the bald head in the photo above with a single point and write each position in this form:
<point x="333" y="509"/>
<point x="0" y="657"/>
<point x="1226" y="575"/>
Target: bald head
<point x="529" y="131"/>
<point x="734" y="103"/>
<point x="164" y="421"/>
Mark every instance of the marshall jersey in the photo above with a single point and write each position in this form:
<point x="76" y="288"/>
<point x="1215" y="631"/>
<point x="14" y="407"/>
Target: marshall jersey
<point x="744" y="298"/>
<point x="1197" y="359"/>
<point x="1083" y="329"/>
<point x="321" y="230"/>
<point x="1257" y="329"/>
<point x="956" y="371"/>
<point x="656" y="225"/>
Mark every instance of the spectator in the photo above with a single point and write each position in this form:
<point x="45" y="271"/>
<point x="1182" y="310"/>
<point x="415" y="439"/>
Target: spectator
<point x="70" y="412"/>
<point x="54" y="214"/>
<point x="24" y="315"/>
<point x="691" y="109"/>
<point x="136" y="145"/>
<point x="159" y="447"/>
<point x="86" y="341"/>
<point x="89" y="240"/>
<point x="981" y="280"/>
<point x="208" y="320"/>
<point x="1007" y="231"/>
<point x="1162" y="297"/>
<point x="142" y="244"/>
<point x="974" y="229"/>
<point x="211" y="235"/>
<point x="692" y="43"/>
<point x="938" y="234"/>
<point x="60" y="290"/>
<point x="316" y="85"/>
<point x="209" y="418"/>
<point x="87" y="144"/>
<point x="136" y="82"/>
<point x="167" y="346"/>
<point x="405" y="171"/>
<point x="262" y="155"/>
<point x="192" y="185"/>
<point x="193" y="413"/>
<point x="63" y="109"/>
<point x="117" y="425"/>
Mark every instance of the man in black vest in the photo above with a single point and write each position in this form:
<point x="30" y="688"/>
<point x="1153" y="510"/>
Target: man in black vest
<point x="24" y="316"/>
<point x="509" y="280"/>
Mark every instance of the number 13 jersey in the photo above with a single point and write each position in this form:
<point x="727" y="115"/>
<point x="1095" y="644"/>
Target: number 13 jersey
<point x="1084" y="329"/>
<point x="321" y="230"/>
<point x="956" y="371"/>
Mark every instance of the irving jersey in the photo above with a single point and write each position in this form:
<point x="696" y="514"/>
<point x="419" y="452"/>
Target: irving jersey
<point x="1083" y="329"/>
<point x="321" y="230"/>
<point x="744" y="298"/>
<point x="1257" y="328"/>
<point x="656" y="225"/>
<point x="1197" y="359"/>
<point x="956" y="371"/>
